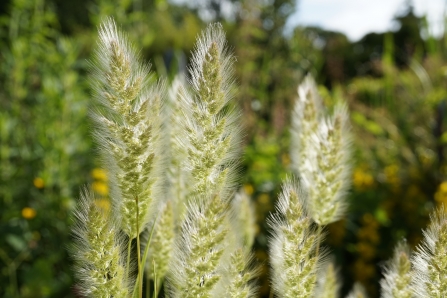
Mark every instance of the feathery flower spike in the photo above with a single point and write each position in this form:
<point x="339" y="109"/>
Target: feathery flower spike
<point x="292" y="247"/>
<point x="320" y="152"/>
<point x="161" y="245"/>
<point x="306" y="115"/>
<point x="243" y="219"/>
<point x="98" y="251"/>
<point x="211" y="139"/>
<point x="240" y="275"/>
<point x="194" y="270"/>
<point x="241" y="271"/>
<point x="327" y="173"/>
<point x="430" y="259"/>
<point x="212" y="133"/>
<point x="328" y="282"/>
<point x="397" y="274"/>
<point x="178" y="178"/>
<point x="128" y="119"/>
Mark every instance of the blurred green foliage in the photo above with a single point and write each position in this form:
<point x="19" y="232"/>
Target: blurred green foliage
<point x="395" y="84"/>
<point x="44" y="149"/>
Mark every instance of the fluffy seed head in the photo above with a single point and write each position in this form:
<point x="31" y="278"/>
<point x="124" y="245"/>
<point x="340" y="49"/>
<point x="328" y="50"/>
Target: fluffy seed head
<point x="178" y="184"/>
<point x="328" y="282"/>
<point x="240" y="275"/>
<point x="243" y="219"/>
<point x="161" y="246"/>
<point x="430" y="259"/>
<point x="306" y="115"/>
<point x="293" y="245"/>
<point x="196" y="267"/>
<point x="98" y="251"/>
<point x="211" y="140"/>
<point x="397" y="274"/>
<point x="127" y="115"/>
<point x="327" y="172"/>
<point x="211" y="123"/>
<point x="320" y="153"/>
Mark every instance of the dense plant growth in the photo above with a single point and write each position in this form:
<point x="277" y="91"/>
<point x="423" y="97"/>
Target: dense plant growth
<point x="204" y="256"/>
<point x="393" y="83"/>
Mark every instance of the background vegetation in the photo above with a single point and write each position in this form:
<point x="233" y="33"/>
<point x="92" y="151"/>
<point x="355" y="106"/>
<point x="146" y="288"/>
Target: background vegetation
<point x="395" y="84"/>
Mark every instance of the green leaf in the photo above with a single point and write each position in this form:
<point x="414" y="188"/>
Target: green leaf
<point x="16" y="242"/>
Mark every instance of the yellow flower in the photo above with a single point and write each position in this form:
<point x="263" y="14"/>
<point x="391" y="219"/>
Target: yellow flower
<point x="38" y="182"/>
<point x="101" y="188"/>
<point x="441" y="194"/>
<point x="28" y="213"/>
<point x="104" y="204"/>
<point x="391" y="170"/>
<point x="248" y="188"/>
<point x="392" y="174"/>
<point x="361" y="179"/>
<point x="263" y="199"/>
<point x="443" y="187"/>
<point x="441" y="199"/>
<point x="369" y="231"/>
<point x="368" y="180"/>
<point x="99" y="174"/>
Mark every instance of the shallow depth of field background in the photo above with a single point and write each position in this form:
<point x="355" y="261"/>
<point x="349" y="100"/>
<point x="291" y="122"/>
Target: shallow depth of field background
<point x="394" y="83"/>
